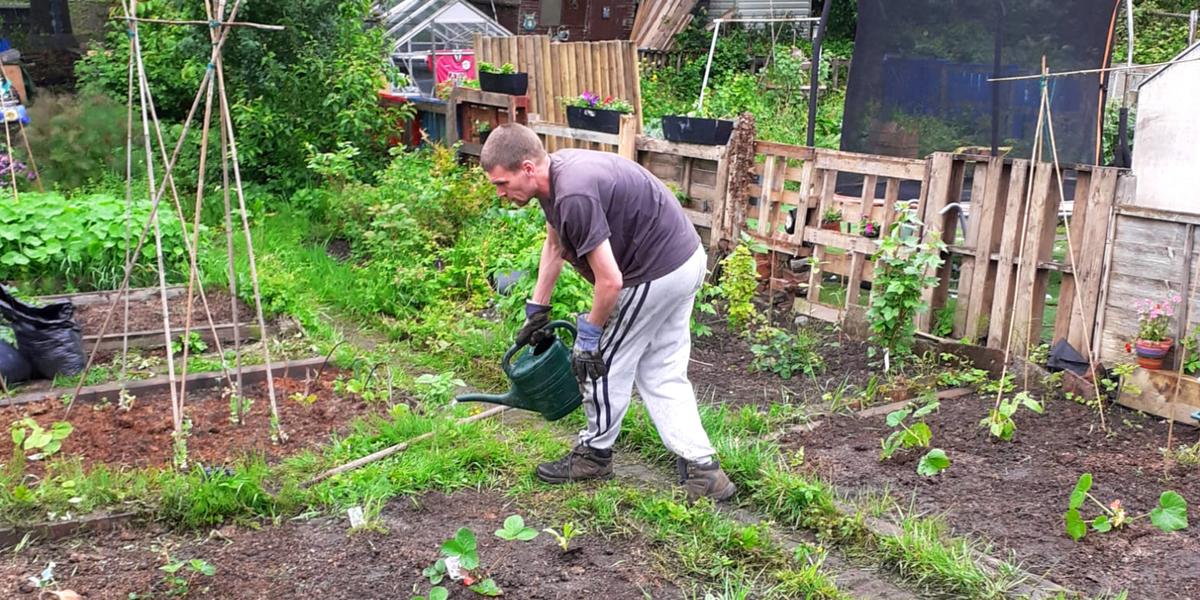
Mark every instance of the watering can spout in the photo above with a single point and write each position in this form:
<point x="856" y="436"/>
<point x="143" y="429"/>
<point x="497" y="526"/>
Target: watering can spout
<point x="541" y="379"/>
<point x="505" y="399"/>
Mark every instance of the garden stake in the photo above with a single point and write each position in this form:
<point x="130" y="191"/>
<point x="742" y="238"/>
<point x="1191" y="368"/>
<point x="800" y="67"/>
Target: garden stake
<point x="136" y="50"/>
<point x="374" y="456"/>
<point x="276" y="426"/>
<point x="231" y="273"/>
<point x="128" y="219"/>
<point x="12" y="168"/>
<point x="1035" y="154"/>
<point x="1087" y="334"/>
<point x="157" y="197"/>
<point x="1171" y="406"/>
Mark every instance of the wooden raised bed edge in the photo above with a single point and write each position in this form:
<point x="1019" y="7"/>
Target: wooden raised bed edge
<point x="250" y="375"/>
<point x="248" y="332"/>
<point x="57" y="530"/>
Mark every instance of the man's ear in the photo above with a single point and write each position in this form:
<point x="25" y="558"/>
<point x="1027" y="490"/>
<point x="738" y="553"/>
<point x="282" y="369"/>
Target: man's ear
<point x="528" y="167"/>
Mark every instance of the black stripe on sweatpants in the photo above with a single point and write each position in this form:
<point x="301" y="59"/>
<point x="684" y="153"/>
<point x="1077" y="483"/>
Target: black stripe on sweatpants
<point x="616" y="348"/>
<point x="616" y="327"/>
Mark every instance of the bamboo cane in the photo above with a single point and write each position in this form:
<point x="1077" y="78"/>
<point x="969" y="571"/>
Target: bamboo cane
<point x="208" y="23"/>
<point x="128" y="220"/>
<point x="12" y="167"/>
<point x="37" y="175"/>
<point x="205" y="81"/>
<point x="386" y="452"/>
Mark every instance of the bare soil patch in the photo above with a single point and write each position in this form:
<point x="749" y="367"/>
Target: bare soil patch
<point x="318" y="559"/>
<point x="1014" y="494"/>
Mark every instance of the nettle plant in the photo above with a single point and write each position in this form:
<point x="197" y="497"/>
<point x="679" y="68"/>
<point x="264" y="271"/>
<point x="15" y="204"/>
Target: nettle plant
<point x="904" y="268"/>
<point x="739" y="281"/>
<point x="914" y="432"/>
<point x="1169" y="515"/>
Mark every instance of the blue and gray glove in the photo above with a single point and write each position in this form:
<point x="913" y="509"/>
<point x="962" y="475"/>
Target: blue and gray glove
<point x="537" y="316"/>
<point x="586" y="361"/>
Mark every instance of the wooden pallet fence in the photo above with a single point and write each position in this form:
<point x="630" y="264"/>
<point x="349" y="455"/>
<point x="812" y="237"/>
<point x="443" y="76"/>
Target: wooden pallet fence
<point x="560" y="70"/>
<point x="1153" y="253"/>
<point x="1003" y="272"/>
<point x="699" y="173"/>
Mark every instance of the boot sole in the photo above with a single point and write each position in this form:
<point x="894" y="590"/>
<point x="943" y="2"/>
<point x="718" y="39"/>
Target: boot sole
<point x="560" y="480"/>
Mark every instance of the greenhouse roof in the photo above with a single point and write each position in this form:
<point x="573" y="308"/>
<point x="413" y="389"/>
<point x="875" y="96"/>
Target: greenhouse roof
<point x="426" y="25"/>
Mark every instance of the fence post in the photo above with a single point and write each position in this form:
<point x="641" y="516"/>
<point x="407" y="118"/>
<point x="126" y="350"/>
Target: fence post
<point x="627" y="138"/>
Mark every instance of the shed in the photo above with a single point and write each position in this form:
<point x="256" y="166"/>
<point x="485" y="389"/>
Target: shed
<point x="419" y="30"/>
<point x="761" y="9"/>
<point x="1165" y="152"/>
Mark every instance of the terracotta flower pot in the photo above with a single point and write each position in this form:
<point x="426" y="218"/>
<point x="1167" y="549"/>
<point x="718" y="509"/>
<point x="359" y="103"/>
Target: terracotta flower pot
<point x="832" y="225"/>
<point x="1150" y="354"/>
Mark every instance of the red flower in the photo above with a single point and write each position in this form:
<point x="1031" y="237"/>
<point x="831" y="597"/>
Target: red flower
<point x="1128" y="347"/>
<point x="608" y="99"/>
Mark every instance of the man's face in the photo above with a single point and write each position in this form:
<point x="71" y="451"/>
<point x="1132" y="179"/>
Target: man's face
<point x="518" y="186"/>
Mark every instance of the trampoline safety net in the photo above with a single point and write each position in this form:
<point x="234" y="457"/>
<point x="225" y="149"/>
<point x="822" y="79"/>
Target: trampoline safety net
<point x="919" y="78"/>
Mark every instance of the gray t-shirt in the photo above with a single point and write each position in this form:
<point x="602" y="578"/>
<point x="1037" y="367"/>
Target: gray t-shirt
<point x="597" y="196"/>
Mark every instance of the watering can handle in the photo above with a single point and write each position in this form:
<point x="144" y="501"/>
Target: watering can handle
<point x="506" y="362"/>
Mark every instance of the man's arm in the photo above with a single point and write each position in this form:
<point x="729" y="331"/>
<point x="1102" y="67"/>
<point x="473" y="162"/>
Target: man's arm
<point x="608" y="283"/>
<point x="548" y="268"/>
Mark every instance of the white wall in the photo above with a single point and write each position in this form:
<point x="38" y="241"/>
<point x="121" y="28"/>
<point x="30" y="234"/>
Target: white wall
<point x="1166" y="140"/>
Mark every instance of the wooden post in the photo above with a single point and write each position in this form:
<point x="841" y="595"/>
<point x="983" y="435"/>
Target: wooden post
<point x="627" y="145"/>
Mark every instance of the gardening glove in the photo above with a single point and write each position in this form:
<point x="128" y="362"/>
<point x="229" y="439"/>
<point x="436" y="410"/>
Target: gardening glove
<point x="586" y="361"/>
<point x="537" y="316"/>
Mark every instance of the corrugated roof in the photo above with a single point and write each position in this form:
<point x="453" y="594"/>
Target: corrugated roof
<point x="749" y="9"/>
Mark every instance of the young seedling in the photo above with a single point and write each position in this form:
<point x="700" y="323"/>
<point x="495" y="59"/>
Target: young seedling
<point x="460" y="556"/>
<point x="935" y="461"/>
<point x="1169" y="515"/>
<point x="917" y="435"/>
<point x="999" y="420"/>
<point x="515" y="529"/>
<point x="28" y="436"/>
<point x="179" y="574"/>
<point x="569" y="531"/>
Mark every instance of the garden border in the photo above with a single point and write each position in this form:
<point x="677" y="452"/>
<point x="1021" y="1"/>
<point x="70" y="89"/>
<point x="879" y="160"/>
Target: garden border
<point x="250" y="376"/>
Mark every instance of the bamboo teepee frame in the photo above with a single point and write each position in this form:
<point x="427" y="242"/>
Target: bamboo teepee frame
<point x="212" y="84"/>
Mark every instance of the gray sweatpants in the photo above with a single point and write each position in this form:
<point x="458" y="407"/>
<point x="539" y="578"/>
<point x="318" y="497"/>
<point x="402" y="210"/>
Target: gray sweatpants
<point x="647" y="341"/>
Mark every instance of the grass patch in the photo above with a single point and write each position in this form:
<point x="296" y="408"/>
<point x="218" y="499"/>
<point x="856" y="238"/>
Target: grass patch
<point x="926" y="554"/>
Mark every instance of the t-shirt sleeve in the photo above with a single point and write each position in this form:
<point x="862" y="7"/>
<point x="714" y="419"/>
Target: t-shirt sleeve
<point x="584" y="224"/>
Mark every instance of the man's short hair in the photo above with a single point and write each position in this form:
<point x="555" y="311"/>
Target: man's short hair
<point x="509" y="145"/>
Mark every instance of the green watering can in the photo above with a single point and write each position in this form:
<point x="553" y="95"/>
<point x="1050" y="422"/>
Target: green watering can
<point x="541" y="378"/>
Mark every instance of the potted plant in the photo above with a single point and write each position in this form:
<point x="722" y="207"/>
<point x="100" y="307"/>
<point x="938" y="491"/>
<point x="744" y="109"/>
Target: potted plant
<point x="694" y="129"/>
<point x="869" y="229"/>
<point x="1153" y="343"/>
<point x="588" y="111"/>
<point x="483" y="128"/>
<point x="503" y="79"/>
<point x="831" y="219"/>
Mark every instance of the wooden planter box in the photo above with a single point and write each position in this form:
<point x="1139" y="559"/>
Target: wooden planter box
<point x="695" y="130"/>
<point x="594" y="119"/>
<point x="513" y="84"/>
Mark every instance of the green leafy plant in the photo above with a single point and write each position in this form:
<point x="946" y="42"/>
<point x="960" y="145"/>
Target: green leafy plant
<point x="482" y="127"/>
<point x="914" y="435"/>
<point x="904" y="270"/>
<point x="180" y="574"/>
<point x="460" y="556"/>
<point x="179" y="447"/>
<point x="1000" y="419"/>
<point x="1116" y="381"/>
<point x="194" y="342"/>
<point x="935" y="461"/>
<point x="739" y="281"/>
<point x="438" y="389"/>
<point x="337" y="167"/>
<point x="831" y="216"/>
<point x="1169" y="515"/>
<point x="505" y="69"/>
<point x="28" y="436"/>
<point x="515" y="529"/>
<point x="564" y="535"/>
<point x="785" y="354"/>
<point x="1191" y="351"/>
<point x="704" y="306"/>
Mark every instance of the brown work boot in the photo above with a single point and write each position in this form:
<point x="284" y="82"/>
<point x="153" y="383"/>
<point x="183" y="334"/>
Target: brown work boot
<point x="580" y="464"/>
<point x="707" y="481"/>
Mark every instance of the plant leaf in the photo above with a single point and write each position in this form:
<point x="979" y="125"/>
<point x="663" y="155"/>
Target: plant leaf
<point x="918" y="436"/>
<point x="487" y="587"/>
<point x="527" y="534"/>
<point x="1081" y="489"/>
<point x="1171" y="513"/>
<point x="934" y="462"/>
<point x="894" y="418"/>
<point x="438" y="593"/>
<point x="1076" y="528"/>
<point x="1102" y="524"/>
<point x="928" y="408"/>
<point x="1030" y="403"/>
<point x="469" y="559"/>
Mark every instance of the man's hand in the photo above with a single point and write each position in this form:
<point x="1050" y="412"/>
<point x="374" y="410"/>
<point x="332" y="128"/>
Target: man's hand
<point x="537" y="316"/>
<point x="586" y="361"/>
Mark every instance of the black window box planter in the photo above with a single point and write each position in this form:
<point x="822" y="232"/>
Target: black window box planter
<point x="594" y="119"/>
<point x="695" y="130"/>
<point x="513" y="84"/>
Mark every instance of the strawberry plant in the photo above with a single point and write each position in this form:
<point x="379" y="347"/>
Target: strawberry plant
<point x="999" y="420"/>
<point x="916" y="435"/>
<point x="515" y="529"/>
<point x="460" y="556"/>
<point x="1169" y="515"/>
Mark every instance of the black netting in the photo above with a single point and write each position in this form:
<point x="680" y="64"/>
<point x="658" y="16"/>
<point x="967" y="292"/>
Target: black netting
<point x="918" y="83"/>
